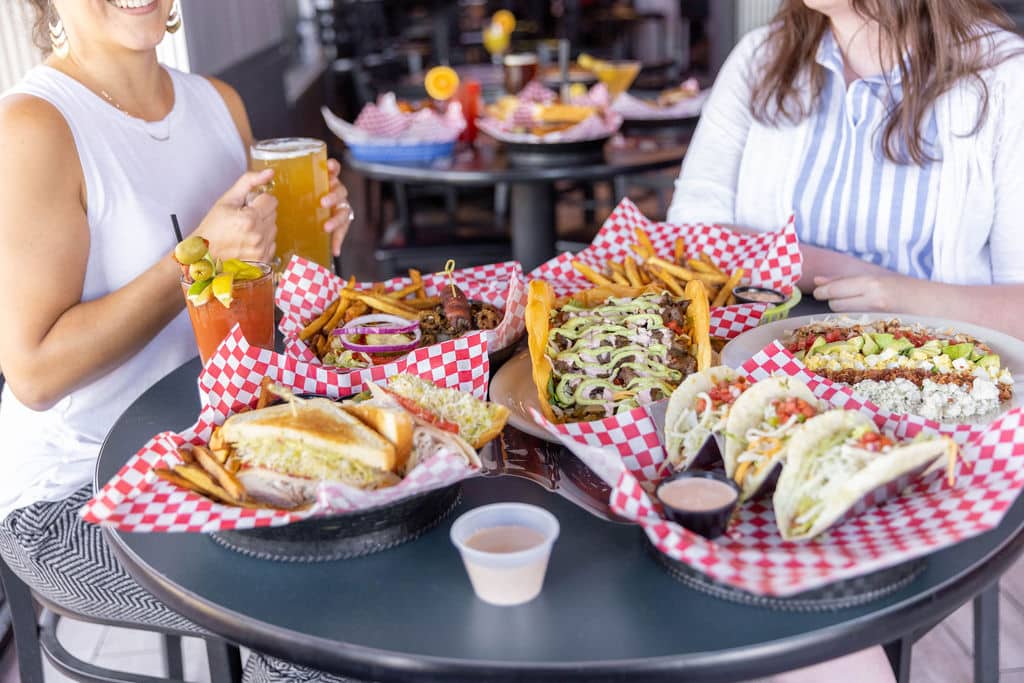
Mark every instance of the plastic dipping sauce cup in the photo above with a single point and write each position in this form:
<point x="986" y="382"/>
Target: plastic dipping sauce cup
<point x="505" y="548"/>
<point x="252" y="307"/>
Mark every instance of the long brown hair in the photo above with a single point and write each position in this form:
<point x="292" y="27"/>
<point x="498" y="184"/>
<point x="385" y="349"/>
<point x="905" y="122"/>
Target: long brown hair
<point x="942" y="42"/>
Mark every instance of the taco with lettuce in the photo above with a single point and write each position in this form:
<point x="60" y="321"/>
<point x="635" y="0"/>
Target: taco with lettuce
<point x="758" y="429"/>
<point x="836" y="460"/>
<point x="698" y="409"/>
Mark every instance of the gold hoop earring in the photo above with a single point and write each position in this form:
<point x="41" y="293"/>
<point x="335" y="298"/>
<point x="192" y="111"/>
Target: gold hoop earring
<point x="58" y="36"/>
<point x="174" y="18"/>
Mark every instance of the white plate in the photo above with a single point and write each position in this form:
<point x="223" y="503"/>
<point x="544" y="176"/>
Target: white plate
<point x="512" y="387"/>
<point x="1010" y="349"/>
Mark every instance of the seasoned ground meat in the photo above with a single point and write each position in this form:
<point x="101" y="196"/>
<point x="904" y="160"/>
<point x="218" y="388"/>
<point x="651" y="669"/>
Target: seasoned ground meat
<point x="626" y="375"/>
<point x="679" y="359"/>
<point x="675" y="312"/>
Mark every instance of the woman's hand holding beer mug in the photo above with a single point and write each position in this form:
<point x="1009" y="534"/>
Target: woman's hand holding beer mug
<point x="243" y="222"/>
<point x="341" y="211"/>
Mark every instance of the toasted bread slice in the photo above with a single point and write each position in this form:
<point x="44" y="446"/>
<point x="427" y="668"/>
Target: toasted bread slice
<point x="315" y="438"/>
<point x="394" y="424"/>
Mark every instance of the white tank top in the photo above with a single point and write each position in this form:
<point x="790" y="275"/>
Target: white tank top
<point x="134" y="182"/>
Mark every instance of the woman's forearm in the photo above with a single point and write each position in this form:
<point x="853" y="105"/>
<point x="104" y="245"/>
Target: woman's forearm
<point x="821" y="262"/>
<point x="91" y="338"/>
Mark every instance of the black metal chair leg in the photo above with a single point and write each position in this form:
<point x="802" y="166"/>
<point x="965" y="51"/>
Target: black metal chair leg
<point x="898" y="653"/>
<point x="986" y="635"/>
<point x="225" y="661"/>
<point x="172" y="656"/>
<point x="26" y="627"/>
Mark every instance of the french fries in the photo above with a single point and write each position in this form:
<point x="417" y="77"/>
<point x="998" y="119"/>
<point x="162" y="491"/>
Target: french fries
<point x="352" y="302"/>
<point x="210" y="470"/>
<point x="726" y="292"/>
<point x="671" y="275"/>
<point x="591" y="274"/>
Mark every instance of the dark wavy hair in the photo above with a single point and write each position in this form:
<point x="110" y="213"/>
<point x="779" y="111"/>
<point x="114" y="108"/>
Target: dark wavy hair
<point x="943" y="41"/>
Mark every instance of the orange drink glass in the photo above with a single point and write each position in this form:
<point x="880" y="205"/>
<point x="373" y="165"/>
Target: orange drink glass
<point x="617" y="76"/>
<point x="300" y="182"/>
<point x="252" y="307"/>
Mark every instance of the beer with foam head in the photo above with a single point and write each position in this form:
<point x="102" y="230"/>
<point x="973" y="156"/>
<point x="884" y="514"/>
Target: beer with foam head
<point x="300" y="182"/>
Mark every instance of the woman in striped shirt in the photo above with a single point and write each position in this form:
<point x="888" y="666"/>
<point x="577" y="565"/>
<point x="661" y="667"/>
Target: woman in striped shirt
<point x="890" y="130"/>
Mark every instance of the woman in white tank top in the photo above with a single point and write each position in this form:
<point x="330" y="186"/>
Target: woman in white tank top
<point x="100" y="145"/>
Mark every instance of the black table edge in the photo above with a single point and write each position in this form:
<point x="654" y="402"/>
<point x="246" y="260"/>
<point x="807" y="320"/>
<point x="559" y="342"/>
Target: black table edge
<point x="897" y="621"/>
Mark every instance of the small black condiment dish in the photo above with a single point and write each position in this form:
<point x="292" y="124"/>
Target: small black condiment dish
<point x="708" y="523"/>
<point x="749" y="294"/>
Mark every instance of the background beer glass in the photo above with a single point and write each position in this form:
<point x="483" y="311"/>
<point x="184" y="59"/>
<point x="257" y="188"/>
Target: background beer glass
<point x="300" y="182"/>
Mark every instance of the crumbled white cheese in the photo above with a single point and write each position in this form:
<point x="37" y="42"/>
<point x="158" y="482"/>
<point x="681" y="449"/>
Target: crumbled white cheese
<point x="940" y="402"/>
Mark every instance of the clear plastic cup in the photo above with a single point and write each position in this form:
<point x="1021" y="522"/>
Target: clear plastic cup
<point x="506" y="578"/>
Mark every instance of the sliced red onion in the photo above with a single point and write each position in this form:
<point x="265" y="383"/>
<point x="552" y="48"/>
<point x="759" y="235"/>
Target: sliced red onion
<point x="392" y="325"/>
<point x="381" y="348"/>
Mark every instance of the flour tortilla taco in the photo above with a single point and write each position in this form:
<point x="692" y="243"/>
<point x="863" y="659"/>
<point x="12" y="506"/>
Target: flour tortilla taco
<point x="698" y="409"/>
<point x="837" y="459"/>
<point x="758" y="429"/>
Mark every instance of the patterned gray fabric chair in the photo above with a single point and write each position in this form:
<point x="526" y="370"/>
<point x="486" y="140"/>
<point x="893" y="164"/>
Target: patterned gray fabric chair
<point x="35" y="636"/>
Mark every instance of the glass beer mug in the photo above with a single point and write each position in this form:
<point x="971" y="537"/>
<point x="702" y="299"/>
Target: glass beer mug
<point x="300" y="182"/>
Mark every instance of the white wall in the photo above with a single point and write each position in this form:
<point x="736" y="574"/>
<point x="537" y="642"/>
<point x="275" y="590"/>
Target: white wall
<point x="222" y="33"/>
<point x="18" y="53"/>
<point x="751" y="14"/>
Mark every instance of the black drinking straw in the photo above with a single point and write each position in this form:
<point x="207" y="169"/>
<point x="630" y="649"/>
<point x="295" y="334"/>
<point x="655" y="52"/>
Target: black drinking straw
<point x="177" y="228"/>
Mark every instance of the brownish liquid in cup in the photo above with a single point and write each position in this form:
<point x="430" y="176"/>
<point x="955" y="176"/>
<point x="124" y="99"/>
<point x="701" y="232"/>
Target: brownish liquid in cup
<point x="697" y="494"/>
<point x="519" y="70"/>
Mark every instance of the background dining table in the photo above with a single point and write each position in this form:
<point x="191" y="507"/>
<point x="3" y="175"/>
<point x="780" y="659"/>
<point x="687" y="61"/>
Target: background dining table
<point x="533" y="194"/>
<point x="608" y="611"/>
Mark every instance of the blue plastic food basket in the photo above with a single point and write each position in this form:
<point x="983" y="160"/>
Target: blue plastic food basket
<point x="404" y="154"/>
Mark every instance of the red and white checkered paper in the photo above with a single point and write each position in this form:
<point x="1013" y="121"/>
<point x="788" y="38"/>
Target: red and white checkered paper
<point x="136" y="500"/>
<point x="383" y="123"/>
<point x="306" y="289"/>
<point x="918" y="519"/>
<point x="770" y="259"/>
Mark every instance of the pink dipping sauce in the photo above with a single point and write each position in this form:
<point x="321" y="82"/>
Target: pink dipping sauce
<point x="697" y="494"/>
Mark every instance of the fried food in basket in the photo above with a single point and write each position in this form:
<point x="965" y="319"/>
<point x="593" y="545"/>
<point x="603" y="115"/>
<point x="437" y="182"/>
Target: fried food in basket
<point x="670" y="276"/>
<point x="368" y="327"/>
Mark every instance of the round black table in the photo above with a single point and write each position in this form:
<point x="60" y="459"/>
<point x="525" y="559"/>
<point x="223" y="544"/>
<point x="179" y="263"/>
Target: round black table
<point x="608" y="611"/>
<point x="532" y="200"/>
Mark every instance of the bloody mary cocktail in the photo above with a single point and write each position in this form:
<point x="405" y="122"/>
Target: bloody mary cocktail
<point x="251" y="306"/>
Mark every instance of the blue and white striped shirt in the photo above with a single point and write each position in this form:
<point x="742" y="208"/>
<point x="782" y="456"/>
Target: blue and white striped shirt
<point x="849" y="197"/>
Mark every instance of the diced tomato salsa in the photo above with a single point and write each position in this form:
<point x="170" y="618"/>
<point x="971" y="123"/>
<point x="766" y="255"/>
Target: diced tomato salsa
<point x="724" y="393"/>
<point x="785" y="408"/>
<point x="874" y="442"/>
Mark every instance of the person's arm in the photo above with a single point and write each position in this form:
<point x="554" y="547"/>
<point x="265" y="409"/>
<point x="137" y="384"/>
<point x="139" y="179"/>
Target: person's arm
<point x="236" y="107"/>
<point x="999" y="306"/>
<point x="337" y="197"/>
<point x="51" y="341"/>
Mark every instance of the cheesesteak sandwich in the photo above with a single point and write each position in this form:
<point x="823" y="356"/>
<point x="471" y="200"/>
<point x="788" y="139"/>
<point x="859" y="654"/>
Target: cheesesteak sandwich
<point x="838" y="458"/>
